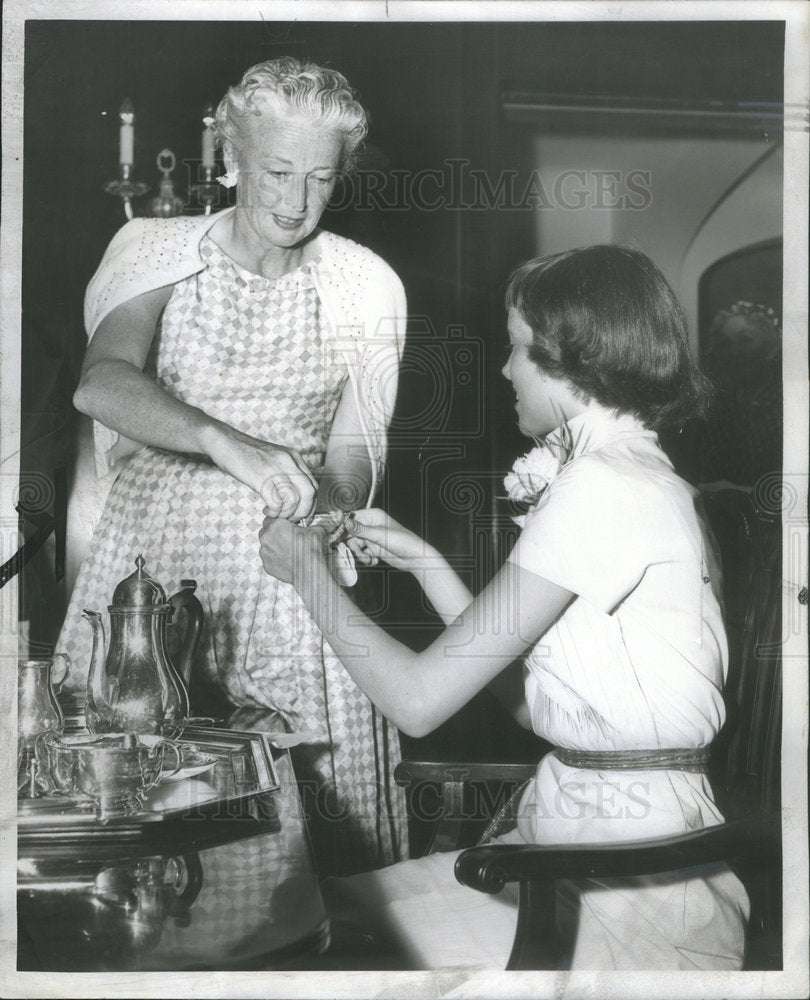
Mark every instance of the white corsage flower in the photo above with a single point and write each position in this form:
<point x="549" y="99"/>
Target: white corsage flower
<point x="530" y="476"/>
<point x="532" y="473"/>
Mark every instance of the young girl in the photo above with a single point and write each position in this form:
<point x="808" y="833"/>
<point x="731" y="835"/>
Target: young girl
<point x="610" y="596"/>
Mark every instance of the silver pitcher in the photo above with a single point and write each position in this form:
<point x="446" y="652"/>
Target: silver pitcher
<point x="38" y="711"/>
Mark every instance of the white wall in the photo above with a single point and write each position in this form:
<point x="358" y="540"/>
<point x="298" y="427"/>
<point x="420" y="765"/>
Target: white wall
<point x="751" y="213"/>
<point x="679" y="184"/>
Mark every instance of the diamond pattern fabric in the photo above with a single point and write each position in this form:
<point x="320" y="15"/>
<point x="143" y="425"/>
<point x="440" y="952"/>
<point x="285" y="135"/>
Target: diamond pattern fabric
<point x="250" y="351"/>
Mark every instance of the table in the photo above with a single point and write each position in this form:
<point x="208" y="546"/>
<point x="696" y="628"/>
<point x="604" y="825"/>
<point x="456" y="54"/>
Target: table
<point x="219" y="889"/>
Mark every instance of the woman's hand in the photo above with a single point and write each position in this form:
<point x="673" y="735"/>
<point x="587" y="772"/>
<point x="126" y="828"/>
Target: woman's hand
<point x="379" y="536"/>
<point x="286" y="548"/>
<point x="277" y="473"/>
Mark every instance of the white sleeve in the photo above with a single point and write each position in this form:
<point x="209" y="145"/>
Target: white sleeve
<point x="101" y="295"/>
<point x="144" y="254"/>
<point x="384" y="340"/>
<point x="380" y="354"/>
<point x="592" y="533"/>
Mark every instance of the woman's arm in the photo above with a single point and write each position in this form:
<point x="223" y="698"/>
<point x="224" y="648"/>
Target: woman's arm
<point x="416" y="691"/>
<point x="114" y="390"/>
<point x="346" y="479"/>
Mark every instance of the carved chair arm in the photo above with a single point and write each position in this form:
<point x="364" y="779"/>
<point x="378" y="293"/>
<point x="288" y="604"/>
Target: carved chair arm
<point x="409" y="772"/>
<point x="536" y="868"/>
<point x="489" y="867"/>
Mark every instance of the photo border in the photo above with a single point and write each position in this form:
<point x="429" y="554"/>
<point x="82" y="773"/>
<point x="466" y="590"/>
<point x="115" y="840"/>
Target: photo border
<point x="792" y="982"/>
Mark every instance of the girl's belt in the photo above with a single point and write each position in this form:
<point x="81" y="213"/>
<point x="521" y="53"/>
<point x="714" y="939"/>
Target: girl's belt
<point x="690" y="759"/>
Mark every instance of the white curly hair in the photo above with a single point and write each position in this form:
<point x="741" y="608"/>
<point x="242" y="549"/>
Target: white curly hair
<point x="289" y="86"/>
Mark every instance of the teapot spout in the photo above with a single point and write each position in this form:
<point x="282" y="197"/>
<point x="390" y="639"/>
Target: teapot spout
<point x="98" y="695"/>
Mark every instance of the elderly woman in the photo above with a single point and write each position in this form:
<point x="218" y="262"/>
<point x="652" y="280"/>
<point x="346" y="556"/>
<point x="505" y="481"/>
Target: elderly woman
<point x="242" y="361"/>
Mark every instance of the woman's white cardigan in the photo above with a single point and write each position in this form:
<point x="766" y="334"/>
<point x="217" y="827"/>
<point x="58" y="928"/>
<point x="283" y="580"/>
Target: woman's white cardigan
<point x="362" y="298"/>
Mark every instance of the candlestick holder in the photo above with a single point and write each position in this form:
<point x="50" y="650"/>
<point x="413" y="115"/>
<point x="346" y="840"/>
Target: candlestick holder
<point x="125" y="188"/>
<point x="206" y="192"/>
<point x="166" y="204"/>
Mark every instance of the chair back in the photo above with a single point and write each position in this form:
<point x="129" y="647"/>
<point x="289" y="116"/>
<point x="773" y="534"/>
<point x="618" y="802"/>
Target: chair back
<point x="746" y="761"/>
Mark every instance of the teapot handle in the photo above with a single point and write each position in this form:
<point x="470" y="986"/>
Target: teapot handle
<point x="185" y="598"/>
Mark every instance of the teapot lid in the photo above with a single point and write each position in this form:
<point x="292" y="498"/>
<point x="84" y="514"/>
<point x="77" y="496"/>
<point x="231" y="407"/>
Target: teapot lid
<point x="139" y="588"/>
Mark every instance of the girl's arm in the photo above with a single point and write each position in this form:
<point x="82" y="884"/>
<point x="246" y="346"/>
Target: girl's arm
<point x="416" y="691"/>
<point x="510" y="690"/>
<point x="114" y="390"/>
<point x="443" y="587"/>
<point x="384" y="538"/>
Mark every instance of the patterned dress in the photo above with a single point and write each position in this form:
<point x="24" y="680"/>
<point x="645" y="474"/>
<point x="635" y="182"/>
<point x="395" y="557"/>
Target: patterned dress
<point x="251" y="351"/>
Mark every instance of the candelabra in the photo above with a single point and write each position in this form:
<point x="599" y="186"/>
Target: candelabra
<point x="125" y="187"/>
<point x="207" y="191"/>
<point x="204" y="194"/>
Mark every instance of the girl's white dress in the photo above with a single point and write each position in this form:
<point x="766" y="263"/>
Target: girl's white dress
<point x="636" y="662"/>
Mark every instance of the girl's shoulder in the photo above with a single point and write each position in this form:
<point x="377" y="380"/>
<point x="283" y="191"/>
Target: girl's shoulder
<point x="606" y="469"/>
<point x="640" y="482"/>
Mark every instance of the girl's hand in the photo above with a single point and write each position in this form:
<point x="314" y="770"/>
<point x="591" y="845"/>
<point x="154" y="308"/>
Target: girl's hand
<point x="362" y="552"/>
<point x="379" y="536"/>
<point x="287" y="549"/>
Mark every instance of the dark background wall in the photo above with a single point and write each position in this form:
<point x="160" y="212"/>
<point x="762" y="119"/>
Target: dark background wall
<point x="433" y="92"/>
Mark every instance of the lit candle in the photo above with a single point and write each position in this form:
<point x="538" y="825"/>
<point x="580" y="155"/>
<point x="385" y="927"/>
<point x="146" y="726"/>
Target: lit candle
<point x="126" y="116"/>
<point x="208" y="159"/>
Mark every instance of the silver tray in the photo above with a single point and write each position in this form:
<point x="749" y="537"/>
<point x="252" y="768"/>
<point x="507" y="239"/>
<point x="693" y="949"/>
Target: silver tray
<point x="237" y="788"/>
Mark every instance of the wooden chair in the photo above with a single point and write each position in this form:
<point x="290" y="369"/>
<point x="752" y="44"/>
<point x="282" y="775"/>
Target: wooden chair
<point x="745" y="772"/>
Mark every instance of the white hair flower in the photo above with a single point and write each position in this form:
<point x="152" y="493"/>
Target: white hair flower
<point x="229" y="179"/>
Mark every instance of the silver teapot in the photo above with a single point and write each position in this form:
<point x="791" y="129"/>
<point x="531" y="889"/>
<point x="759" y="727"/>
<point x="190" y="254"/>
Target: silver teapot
<point x="134" y="687"/>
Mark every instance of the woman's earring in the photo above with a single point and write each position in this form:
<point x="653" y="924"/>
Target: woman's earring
<point x="229" y="179"/>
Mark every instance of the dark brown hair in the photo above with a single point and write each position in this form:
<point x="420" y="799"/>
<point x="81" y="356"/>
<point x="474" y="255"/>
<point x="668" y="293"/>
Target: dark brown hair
<point x="605" y="319"/>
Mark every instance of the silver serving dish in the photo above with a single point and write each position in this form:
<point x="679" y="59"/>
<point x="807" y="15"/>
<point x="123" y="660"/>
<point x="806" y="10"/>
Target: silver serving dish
<point x="224" y="774"/>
